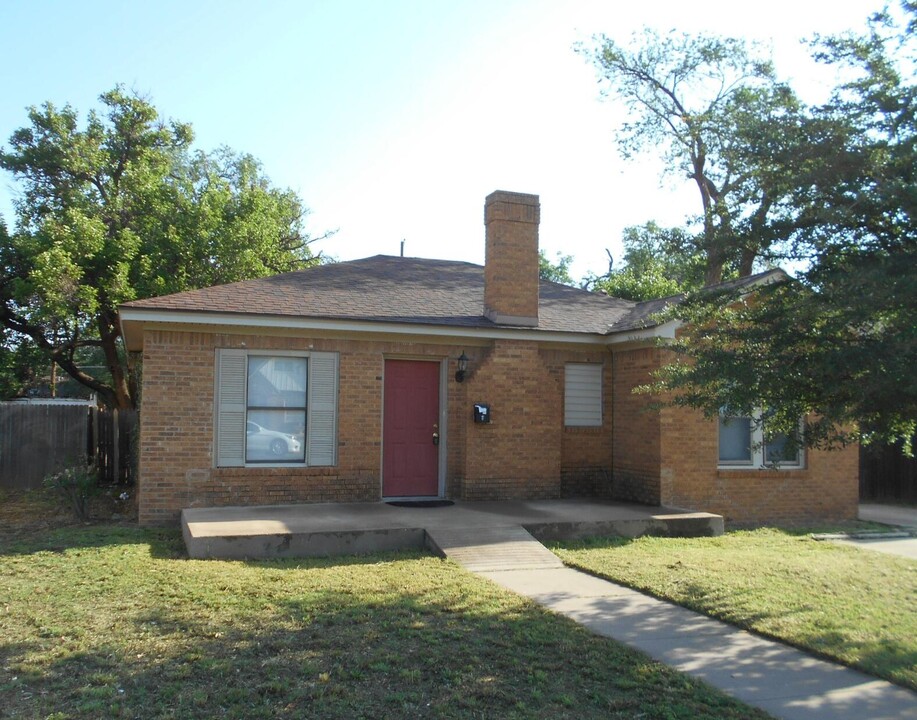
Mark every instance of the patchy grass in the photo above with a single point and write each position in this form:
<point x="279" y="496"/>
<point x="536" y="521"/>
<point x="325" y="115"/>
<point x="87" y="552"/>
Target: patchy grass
<point x="29" y="512"/>
<point x="109" y="621"/>
<point x="845" y="604"/>
<point x="32" y="511"/>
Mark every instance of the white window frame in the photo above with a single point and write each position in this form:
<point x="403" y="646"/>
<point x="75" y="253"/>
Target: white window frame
<point x="583" y="395"/>
<point x="231" y="408"/>
<point x="758" y="445"/>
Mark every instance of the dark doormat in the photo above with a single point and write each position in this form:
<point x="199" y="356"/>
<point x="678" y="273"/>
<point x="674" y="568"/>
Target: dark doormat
<point x="421" y="503"/>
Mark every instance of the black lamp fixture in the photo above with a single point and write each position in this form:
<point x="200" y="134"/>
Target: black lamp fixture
<point x="462" y="367"/>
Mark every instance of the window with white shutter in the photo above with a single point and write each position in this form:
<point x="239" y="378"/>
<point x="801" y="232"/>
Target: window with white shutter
<point x="323" y="395"/>
<point x="583" y="395"/>
<point x="276" y="408"/>
<point x="230" y="415"/>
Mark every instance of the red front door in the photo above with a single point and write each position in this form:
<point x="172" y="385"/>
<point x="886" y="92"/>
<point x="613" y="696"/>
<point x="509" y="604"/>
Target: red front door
<point x="410" y="429"/>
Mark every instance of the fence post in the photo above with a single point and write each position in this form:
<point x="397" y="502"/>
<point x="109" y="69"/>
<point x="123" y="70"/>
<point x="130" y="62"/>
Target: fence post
<point x="94" y="442"/>
<point x="116" y="449"/>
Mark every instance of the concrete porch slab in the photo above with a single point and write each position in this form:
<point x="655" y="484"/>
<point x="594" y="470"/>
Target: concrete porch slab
<point x="354" y="528"/>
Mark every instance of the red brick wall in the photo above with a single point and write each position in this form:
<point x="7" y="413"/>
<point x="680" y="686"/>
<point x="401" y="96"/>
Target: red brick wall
<point x="526" y="452"/>
<point x="176" y="435"/>
<point x="670" y="457"/>
<point x="636" y="428"/>
<point x="825" y="489"/>
<point x="586" y="452"/>
<point x="519" y="455"/>
<point x="511" y="266"/>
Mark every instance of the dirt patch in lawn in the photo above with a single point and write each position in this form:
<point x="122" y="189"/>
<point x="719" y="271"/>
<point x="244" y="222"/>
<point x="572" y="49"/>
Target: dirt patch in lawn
<point x="29" y="512"/>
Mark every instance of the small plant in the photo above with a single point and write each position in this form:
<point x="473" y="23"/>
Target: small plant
<point x="75" y="485"/>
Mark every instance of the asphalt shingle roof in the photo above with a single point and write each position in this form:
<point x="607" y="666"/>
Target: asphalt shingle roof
<point x="642" y="315"/>
<point x="392" y="289"/>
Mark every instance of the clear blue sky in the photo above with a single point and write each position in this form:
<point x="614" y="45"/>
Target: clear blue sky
<point x="393" y="119"/>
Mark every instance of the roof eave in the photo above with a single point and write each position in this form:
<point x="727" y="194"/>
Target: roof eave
<point x="663" y="331"/>
<point x="135" y="320"/>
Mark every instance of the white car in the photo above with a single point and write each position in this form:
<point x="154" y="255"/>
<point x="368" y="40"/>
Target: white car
<point x="261" y="440"/>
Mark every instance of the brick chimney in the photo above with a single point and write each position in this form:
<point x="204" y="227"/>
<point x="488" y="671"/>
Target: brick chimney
<point x="511" y="258"/>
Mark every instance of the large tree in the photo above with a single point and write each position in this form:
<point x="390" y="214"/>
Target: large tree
<point x="121" y="209"/>
<point x="703" y="103"/>
<point x="658" y="262"/>
<point x="558" y="272"/>
<point x="838" y="344"/>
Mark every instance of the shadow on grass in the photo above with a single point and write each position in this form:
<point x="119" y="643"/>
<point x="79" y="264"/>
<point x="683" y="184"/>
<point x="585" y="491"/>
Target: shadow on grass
<point x="335" y="653"/>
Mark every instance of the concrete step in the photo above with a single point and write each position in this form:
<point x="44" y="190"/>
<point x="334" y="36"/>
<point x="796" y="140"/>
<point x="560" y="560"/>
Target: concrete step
<point x="489" y="549"/>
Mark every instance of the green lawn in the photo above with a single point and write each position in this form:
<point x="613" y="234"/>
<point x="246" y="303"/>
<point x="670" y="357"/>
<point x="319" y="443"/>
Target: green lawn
<point x="111" y="621"/>
<point x="847" y="604"/>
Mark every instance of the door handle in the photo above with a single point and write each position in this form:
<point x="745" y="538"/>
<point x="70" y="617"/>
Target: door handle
<point x="436" y="438"/>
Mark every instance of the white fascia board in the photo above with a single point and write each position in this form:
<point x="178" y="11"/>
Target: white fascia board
<point x="130" y="316"/>
<point x="665" y="331"/>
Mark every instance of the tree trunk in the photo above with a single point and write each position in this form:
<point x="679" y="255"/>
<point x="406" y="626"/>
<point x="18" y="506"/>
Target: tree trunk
<point x="708" y="196"/>
<point x="109" y="332"/>
<point x="747" y="262"/>
<point x="714" y="272"/>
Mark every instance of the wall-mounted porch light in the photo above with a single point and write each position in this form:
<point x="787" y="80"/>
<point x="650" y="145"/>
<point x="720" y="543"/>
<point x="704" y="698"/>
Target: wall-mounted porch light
<point x="462" y="367"/>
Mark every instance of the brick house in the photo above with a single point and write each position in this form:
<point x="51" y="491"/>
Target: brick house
<point x="393" y="377"/>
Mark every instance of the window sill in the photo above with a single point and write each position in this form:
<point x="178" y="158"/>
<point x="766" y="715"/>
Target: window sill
<point x="247" y="471"/>
<point x="250" y="466"/>
<point x="734" y="471"/>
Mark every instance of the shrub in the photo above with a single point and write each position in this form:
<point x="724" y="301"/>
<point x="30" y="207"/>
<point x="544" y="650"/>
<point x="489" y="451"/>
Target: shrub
<point x="75" y="485"/>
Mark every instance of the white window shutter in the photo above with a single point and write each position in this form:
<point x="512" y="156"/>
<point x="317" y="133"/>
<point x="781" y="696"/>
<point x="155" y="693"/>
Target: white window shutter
<point x="583" y="395"/>
<point x="323" y="393"/>
<point x="231" y="382"/>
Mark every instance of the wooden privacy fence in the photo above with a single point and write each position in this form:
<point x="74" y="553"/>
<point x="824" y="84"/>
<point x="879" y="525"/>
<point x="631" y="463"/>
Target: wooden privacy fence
<point x="115" y="433"/>
<point x="37" y="439"/>
<point x="887" y="475"/>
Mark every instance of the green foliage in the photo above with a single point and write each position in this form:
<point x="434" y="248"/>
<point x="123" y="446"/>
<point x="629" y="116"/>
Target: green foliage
<point x="22" y="366"/>
<point x="26" y="371"/>
<point x="121" y="209"/>
<point x="838" y="345"/>
<point x="631" y="284"/>
<point x="75" y="486"/>
<point x="555" y="272"/>
<point x="658" y="262"/>
<point x="716" y="113"/>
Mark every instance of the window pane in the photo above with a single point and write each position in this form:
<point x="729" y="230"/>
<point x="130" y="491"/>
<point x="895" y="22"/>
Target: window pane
<point x="276" y="382"/>
<point x="735" y="440"/>
<point x="275" y="436"/>
<point x="777" y="450"/>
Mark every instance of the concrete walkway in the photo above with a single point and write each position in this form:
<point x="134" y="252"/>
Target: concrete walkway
<point x="905" y="547"/>
<point x="498" y="541"/>
<point x="898" y="516"/>
<point x="491" y="549"/>
<point x="901" y="515"/>
<point x="784" y="682"/>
